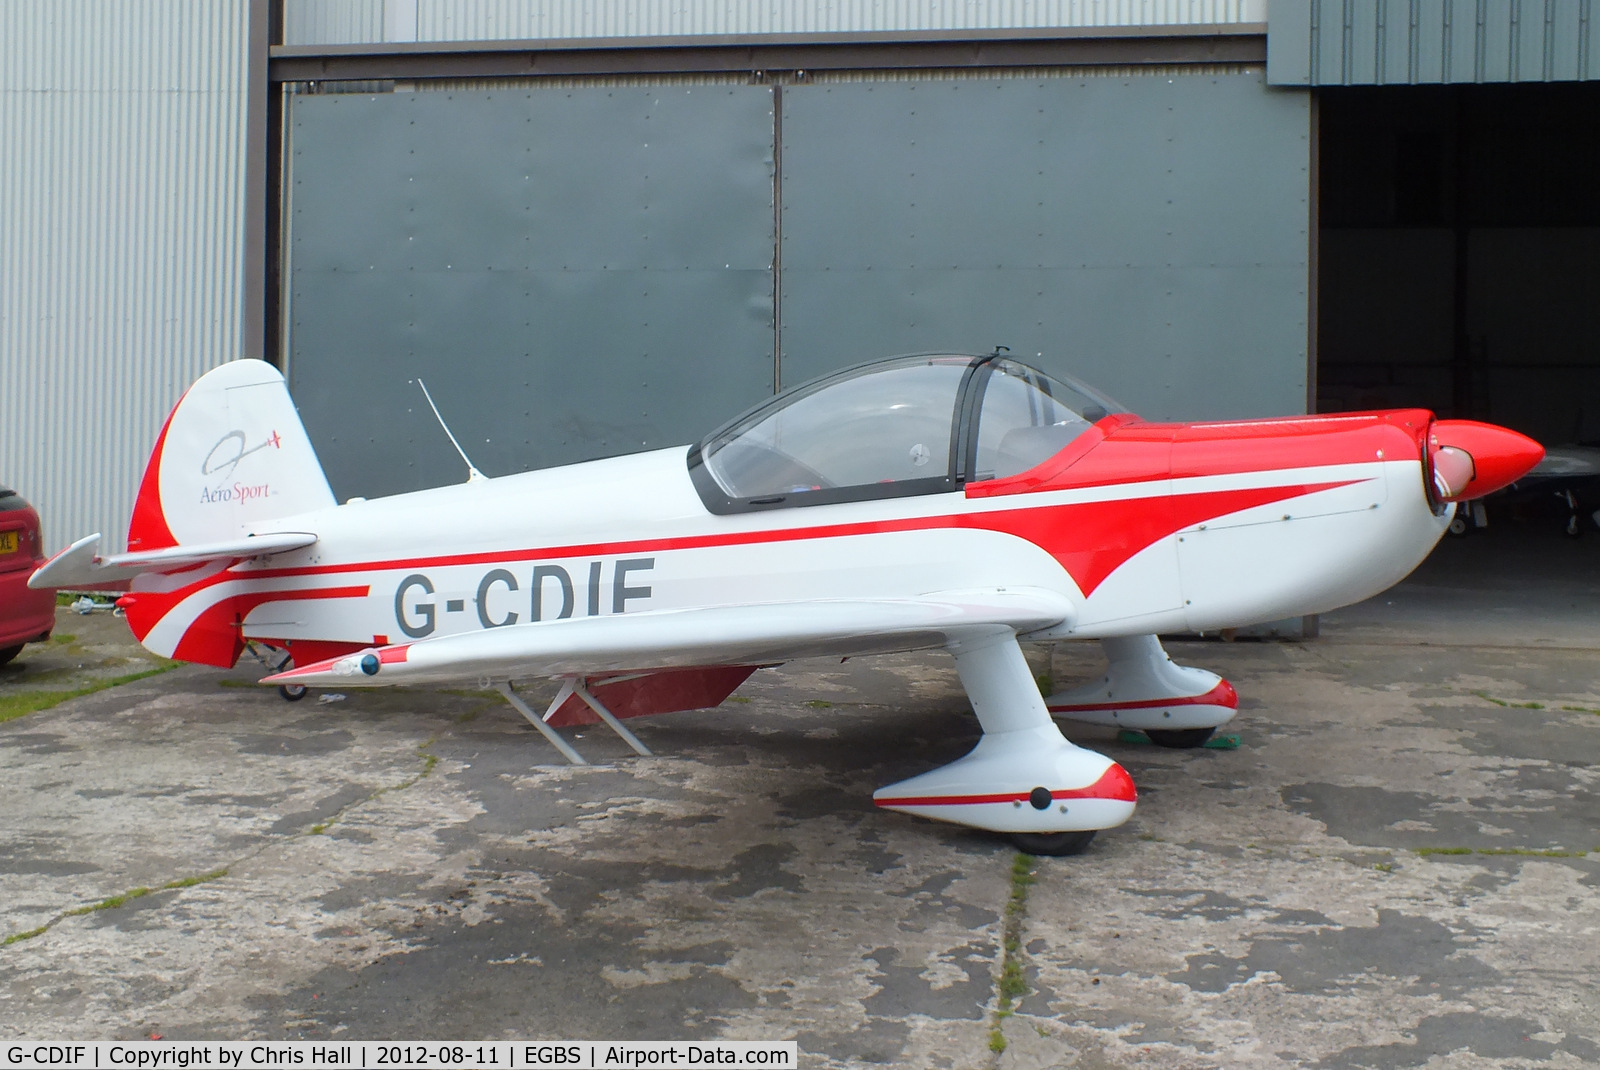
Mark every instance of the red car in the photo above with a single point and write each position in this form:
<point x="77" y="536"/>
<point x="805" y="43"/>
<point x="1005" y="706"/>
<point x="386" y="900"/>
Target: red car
<point x="26" y="616"/>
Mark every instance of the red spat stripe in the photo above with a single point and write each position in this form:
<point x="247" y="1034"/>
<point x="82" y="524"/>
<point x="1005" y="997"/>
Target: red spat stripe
<point x="1114" y="784"/>
<point x="1090" y="539"/>
<point x="1221" y="695"/>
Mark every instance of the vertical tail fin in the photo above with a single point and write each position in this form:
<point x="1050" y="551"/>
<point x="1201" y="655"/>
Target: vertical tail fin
<point x="232" y="455"/>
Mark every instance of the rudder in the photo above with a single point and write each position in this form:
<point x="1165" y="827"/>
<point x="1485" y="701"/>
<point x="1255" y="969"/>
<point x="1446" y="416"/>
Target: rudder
<point x="232" y="455"/>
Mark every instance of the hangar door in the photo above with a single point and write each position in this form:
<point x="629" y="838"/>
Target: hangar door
<point x="1141" y="228"/>
<point x="575" y="272"/>
<point x="1461" y="253"/>
<point x="587" y="270"/>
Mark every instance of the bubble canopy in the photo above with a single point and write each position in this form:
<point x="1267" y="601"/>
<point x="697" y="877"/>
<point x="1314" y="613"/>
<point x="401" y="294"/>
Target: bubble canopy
<point x="923" y="424"/>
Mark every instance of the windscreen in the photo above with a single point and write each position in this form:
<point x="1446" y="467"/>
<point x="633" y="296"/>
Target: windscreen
<point x="1027" y="417"/>
<point x="883" y="424"/>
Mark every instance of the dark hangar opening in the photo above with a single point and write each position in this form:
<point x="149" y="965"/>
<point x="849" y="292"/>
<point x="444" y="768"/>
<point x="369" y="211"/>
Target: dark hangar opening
<point x="1459" y="254"/>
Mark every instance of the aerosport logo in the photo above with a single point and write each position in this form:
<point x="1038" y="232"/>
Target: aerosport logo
<point x="221" y="462"/>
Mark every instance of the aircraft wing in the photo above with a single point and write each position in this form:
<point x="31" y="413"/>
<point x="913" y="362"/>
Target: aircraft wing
<point x="761" y="634"/>
<point x="80" y="566"/>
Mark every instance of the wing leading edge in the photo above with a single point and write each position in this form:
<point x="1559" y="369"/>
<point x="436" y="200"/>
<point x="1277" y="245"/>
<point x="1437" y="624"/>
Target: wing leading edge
<point x="719" y="635"/>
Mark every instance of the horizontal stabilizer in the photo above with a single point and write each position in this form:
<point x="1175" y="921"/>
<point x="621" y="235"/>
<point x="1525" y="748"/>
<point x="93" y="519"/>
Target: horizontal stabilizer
<point x="761" y="634"/>
<point x="80" y="566"/>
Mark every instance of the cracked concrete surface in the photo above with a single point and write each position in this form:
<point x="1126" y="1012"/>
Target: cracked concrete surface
<point x="1299" y="915"/>
<point x="1393" y="870"/>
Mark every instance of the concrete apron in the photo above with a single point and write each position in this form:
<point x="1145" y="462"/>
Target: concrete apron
<point x="407" y="865"/>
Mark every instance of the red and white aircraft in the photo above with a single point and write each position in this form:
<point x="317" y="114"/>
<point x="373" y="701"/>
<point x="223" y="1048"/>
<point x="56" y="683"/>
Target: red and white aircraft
<point x="933" y="501"/>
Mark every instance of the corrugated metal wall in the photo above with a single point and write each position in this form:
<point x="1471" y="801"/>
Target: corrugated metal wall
<point x="1413" y="42"/>
<point x="317" y="22"/>
<point x="322" y="22"/>
<point x="121" y="227"/>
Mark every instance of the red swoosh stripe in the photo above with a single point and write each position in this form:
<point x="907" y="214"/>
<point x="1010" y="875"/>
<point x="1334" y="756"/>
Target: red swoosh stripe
<point x="215" y="637"/>
<point x="1090" y="539"/>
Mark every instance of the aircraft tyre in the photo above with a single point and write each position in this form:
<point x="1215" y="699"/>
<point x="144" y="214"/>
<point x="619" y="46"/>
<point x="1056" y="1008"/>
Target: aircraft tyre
<point x="1179" y="738"/>
<point x="1052" y="844"/>
<point x="292" y="692"/>
<point x="7" y="653"/>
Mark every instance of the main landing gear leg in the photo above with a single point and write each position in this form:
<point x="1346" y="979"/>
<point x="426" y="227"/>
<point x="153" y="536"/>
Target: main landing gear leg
<point x="1023" y="778"/>
<point x="1175" y="705"/>
<point x="572" y="685"/>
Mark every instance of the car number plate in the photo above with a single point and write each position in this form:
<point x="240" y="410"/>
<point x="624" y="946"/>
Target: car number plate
<point x="8" y="542"/>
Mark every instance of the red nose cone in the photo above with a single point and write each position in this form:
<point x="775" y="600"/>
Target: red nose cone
<point x="1499" y="456"/>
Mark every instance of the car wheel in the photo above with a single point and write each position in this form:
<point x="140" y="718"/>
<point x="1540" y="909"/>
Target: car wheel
<point x="9" y="652"/>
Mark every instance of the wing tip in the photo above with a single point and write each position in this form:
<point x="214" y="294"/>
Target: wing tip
<point x="361" y="667"/>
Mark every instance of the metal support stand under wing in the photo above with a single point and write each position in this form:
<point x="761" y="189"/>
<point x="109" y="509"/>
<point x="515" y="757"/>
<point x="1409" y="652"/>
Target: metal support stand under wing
<point x="545" y="730"/>
<point x="579" y="686"/>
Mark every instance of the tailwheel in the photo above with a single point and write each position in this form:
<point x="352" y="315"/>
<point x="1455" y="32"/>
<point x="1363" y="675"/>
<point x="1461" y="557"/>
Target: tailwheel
<point x="1179" y="738"/>
<point x="287" y="692"/>
<point x="1052" y="844"/>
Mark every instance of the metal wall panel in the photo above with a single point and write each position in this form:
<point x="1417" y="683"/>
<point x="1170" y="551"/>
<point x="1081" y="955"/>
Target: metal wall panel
<point x="1147" y="233"/>
<point x="314" y="22"/>
<point x="332" y="21"/>
<point x="576" y="272"/>
<point x="121" y="237"/>
<point x="1412" y="42"/>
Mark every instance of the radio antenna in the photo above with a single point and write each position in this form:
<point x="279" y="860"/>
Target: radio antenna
<point x="473" y="475"/>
